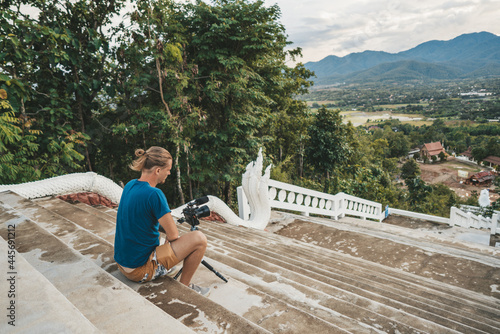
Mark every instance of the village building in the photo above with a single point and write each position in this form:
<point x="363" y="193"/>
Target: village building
<point x="431" y="149"/>
<point x="468" y="154"/>
<point x="481" y="178"/>
<point x="412" y="153"/>
<point x="492" y="161"/>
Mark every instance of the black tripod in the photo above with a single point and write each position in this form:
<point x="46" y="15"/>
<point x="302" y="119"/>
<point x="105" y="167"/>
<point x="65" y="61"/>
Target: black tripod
<point x="191" y="214"/>
<point x="205" y="263"/>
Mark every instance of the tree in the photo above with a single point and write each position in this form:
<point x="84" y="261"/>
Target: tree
<point x="417" y="188"/>
<point x="328" y="146"/>
<point x="16" y="145"/>
<point x="419" y="191"/>
<point x="29" y="73"/>
<point x="439" y="201"/>
<point x="410" y="170"/>
<point x="155" y="85"/>
<point x="290" y="118"/>
<point x="442" y="156"/>
<point x="239" y="47"/>
<point x="398" y="143"/>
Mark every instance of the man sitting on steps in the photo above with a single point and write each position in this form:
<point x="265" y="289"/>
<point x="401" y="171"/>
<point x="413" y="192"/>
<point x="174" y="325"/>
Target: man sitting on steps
<point x="143" y="208"/>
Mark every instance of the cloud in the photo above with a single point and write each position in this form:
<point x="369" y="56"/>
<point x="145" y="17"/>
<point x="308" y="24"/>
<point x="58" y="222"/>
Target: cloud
<point x="334" y="27"/>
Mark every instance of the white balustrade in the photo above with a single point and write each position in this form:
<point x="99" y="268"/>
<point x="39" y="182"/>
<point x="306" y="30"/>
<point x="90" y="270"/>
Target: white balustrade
<point x="469" y="219"/>
<point x="293" y="198"/>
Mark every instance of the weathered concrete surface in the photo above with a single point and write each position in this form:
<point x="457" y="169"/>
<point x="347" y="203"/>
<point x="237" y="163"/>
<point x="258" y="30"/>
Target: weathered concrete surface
<point x="87" y="231"/>
<point x="347" y="276"/>
<point x="107" y="303"/>
<point x="38" y="307"/>
<point x="455" y="264"/>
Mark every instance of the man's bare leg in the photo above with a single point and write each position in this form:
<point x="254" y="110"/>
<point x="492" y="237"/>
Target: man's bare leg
<point x="190" y="248"/>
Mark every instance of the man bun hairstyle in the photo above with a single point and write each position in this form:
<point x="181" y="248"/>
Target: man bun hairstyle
<point x="155" y="156"/>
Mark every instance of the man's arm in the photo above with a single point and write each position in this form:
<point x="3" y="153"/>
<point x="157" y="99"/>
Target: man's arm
<point x="168" y="224"/>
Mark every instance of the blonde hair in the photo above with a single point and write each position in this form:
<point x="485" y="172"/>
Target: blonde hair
<point x="154" y="157"/>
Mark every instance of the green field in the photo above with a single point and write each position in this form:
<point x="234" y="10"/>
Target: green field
<point x="361" y="118"/>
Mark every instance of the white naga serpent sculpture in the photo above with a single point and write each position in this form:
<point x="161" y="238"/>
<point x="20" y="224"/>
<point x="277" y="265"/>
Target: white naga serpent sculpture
<point x="255" y="186"/>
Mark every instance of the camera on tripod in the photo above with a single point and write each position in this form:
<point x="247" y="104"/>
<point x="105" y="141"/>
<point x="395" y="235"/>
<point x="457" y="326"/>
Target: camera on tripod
<point x="193" y="211"/>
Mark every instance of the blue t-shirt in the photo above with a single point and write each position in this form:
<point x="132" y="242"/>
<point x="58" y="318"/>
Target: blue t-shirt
<point x="137" y="223"/>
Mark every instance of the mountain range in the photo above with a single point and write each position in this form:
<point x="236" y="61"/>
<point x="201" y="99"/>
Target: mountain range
<point x="464" y="57"/>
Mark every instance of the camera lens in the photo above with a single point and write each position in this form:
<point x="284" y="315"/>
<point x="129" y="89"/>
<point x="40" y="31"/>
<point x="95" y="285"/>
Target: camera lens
<point x="203" y="211"/>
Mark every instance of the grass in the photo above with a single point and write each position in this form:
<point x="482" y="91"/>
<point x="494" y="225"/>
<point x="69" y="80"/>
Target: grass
<point x="458" y="165"/>
<point x="361" y="118"/>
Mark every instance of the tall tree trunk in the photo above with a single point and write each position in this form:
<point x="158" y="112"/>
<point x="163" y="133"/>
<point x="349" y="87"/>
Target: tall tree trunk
<point x="227" y="193"/>
<point x="80" y="114"/>
<point x="79" y="103"/>
<point x="301" y="159"/>
<point x="188" y="173"/>
<point x="327" y="182"/>
<point x="178" y="173"/>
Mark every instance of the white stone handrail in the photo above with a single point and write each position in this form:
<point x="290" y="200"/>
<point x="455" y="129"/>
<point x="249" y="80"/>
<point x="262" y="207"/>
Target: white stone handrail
<point x="355" y="206"/>
<point x="294" y="198"/>
<point x="474" y="209"/>
<point x="68" y="184"/>
<point x="469" y="219"/>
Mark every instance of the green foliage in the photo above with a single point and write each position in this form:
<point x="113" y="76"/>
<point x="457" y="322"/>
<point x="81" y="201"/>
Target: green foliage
<point x="419" y="192"/>
<point x="410" y="170"/>
<point x="442" y="156"/>
<point x="52" y="67"/>
<point x="439" y="201"/>
<point x="20" y="159"/>
<point x="328" y="147"/>
<point x="243" y="80"/>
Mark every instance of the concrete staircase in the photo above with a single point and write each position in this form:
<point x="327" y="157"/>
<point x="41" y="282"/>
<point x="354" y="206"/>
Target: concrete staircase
<point x="68" y="281"/>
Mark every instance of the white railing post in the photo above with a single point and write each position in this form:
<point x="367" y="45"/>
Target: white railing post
<point x="453" y="216"/>
<point x="243" y="207"/>
<point x="494" y="223"/>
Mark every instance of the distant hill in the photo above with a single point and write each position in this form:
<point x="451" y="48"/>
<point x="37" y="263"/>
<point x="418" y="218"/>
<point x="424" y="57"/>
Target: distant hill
<point x="466" y="56"/>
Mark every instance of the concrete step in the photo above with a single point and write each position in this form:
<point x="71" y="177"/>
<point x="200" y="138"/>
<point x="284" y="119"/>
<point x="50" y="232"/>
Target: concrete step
<point x="222" y="293"/>
<point x="290" y="316"/>
<point x="388" y="302"/>
<point x="489" y="263"/>
<point x="107" y="303"/>
<point x="286" y="285"/>
<point x="195" y="311"/>
<point x="30" y="302"/>
<point x="330" y="273"/>
<point x="98" y="223"/>
<point x="427" y="304"/>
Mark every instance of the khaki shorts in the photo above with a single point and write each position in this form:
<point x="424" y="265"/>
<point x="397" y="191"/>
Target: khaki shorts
<point x="160" y="261"/>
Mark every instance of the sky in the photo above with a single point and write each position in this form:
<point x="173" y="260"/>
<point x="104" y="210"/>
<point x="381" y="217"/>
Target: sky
<point x="339" y="27"/>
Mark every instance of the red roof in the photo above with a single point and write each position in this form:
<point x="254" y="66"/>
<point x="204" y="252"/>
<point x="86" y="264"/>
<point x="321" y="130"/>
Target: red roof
<point x="434" y="148"/>
<point x="483" y="176"/>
